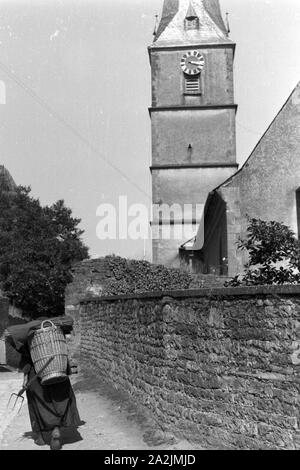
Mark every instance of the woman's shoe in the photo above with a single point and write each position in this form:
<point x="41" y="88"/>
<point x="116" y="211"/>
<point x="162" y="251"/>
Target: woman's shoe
<point x="39" y="441"/>
<point x="55" y="443"/>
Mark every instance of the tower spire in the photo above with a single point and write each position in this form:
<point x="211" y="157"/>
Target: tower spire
<point x="172" y="31"/>
<point x="191" y="14"/>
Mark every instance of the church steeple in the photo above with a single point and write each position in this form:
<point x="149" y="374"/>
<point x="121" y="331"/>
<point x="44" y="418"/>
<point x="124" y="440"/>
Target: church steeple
<point x="176" y="14"/>
<point x="191" y="14"/>
<point x="191" y="20"/>
<point x="192" y="118"/>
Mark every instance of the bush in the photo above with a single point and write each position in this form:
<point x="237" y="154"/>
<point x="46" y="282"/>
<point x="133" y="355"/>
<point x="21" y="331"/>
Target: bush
<point x="134" y="276"/>
<point x="274" y="255"/>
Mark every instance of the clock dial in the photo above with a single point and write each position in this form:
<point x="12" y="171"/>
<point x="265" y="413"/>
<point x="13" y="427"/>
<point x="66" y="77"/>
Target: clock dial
<point x="192" y="62"/>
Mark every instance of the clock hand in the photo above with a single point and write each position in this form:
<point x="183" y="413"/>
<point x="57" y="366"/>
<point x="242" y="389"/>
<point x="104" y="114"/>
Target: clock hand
<point x="195" y="63"/>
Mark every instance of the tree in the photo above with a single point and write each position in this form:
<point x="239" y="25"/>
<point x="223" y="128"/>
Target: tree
<point x="274" y="255"/>
<point x="38" y="246"/>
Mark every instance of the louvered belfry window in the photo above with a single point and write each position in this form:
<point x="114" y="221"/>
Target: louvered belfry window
<point x="192" y="85"/>
<point x="192" y="23"/>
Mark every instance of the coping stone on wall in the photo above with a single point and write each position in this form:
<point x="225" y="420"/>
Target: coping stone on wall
<point x="217" y="292"/>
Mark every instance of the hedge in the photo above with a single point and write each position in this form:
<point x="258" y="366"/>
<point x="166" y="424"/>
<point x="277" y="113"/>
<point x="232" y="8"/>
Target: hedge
<point x="134" y="276"/>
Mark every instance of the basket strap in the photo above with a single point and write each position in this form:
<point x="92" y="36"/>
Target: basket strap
<point x="45" y="321"/>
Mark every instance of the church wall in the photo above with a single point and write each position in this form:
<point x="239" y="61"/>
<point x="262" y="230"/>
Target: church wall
<point x="166" y="251"/>
<point x="266" y="187"/>
<point x="216" y="77"/>
<point x="211" y="132"/>
<point x="186" y="185"/>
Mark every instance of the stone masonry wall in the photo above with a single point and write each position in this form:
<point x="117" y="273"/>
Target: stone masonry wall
<point x="219" y="367"/>
<point x="90" y="278"/>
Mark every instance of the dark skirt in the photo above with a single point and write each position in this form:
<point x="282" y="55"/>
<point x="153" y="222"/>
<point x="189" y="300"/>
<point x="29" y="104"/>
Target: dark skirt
<point x="51" y="405"/>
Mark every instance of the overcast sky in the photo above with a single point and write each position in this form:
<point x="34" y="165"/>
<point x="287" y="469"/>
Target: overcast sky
<point x="75" y="125"/>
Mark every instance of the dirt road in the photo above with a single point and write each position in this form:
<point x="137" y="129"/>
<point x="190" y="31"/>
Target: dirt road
<point x="109" y="421"/>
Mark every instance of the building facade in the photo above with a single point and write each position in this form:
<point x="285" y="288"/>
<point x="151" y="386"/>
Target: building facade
<point x="266" y="187"/>
<point x="192" y="118"/>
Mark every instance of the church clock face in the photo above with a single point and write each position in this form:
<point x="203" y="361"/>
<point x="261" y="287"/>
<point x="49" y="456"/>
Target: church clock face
<point x="192" y="62"/>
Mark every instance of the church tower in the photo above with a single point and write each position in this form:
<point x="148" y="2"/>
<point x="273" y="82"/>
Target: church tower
<point x="192" y="118"/>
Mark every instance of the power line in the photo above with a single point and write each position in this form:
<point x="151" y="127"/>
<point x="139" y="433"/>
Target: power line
<point x="53" y="113"/>
<point x="63" y="121"/>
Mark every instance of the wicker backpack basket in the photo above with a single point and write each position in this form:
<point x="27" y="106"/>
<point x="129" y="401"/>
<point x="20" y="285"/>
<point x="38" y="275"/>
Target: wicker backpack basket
<point x="49" y="342"/>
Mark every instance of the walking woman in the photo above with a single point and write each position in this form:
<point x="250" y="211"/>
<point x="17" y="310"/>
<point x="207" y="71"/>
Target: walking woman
<point x="50" y="407"/>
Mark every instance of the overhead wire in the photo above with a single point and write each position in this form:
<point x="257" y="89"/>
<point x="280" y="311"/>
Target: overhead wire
<point x="53" y="113"/>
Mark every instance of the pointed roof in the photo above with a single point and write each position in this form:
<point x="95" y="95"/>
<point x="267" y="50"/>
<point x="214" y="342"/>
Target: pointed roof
<point x="213" y="9"/>
<point x="171" y="30"/>
<point x="6" y="181"/>
<point x="191" y="12"/>
<point x="284" y="114"/>
<point x="170" y="8"/>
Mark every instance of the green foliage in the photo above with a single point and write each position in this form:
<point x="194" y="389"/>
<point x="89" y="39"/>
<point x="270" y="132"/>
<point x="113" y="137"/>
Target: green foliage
<point x="134" y="276"/>
<point x="38" y="246"/>
<point x="274" y="255"/>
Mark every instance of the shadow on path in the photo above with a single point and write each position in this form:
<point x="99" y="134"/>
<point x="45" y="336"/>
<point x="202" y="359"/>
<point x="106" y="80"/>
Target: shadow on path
<point x="68" y="435"/>
<point x="6" y="369"/>
<point x="151" y="431"/>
